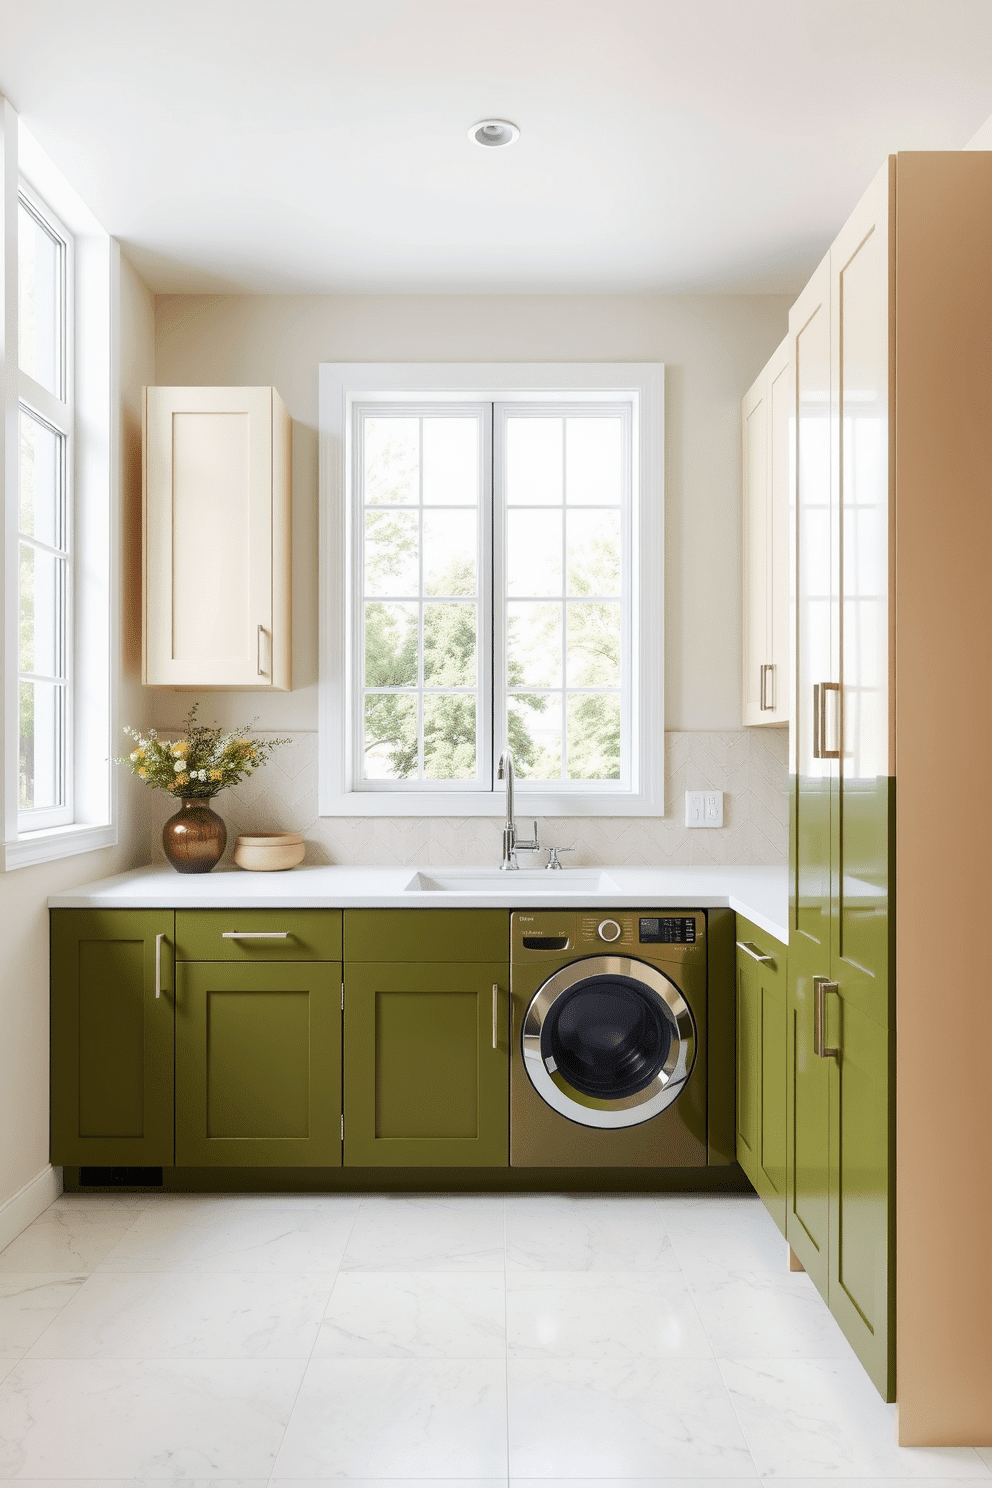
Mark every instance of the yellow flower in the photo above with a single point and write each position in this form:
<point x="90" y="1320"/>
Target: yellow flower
<point x="215" y="774"/>
<point x="182" y="779"/>
<point x="181" y="749"/>
<point x="142" y="770"/>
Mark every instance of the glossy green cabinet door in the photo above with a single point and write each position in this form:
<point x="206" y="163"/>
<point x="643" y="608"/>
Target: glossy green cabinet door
<point x="862" y="1241"/>
<point x="807" y="1227"/>
<point x="112" y="1037"/>
<point x="748" y="992"/>
<point x="426" y="1066"/>
<point x="761" y="1077"/>
<point x="258" y="1064"/>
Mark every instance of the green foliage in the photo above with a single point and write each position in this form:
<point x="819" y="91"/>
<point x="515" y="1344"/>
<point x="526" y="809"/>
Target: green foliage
<point x="199" y="764"/>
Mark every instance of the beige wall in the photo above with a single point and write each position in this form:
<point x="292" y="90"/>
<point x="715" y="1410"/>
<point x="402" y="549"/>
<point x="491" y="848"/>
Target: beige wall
<point x="24" y="892"/>
<point x="713" y="347"/>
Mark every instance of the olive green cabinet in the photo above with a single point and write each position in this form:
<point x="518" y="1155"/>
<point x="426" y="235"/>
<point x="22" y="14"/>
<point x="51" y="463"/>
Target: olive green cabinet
<point x="841" y="1026"/>
<point x="258" y="1038"/>
<point x="112" y="1016"/>
<point x="761" y="1065"/>
<point x="426" y="1038"/>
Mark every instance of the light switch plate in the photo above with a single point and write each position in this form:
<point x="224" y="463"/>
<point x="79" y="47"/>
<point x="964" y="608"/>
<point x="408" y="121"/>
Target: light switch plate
<point x="704" y="808"/>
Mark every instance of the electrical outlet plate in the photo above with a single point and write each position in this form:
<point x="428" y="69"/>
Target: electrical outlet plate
<point x="704" y="808"/>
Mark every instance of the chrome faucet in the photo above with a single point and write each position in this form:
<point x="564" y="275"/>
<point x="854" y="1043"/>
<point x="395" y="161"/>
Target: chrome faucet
<point x="504" y="771"/>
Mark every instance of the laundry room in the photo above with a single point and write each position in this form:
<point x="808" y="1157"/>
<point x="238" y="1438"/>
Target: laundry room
<point x="473" y="600"/>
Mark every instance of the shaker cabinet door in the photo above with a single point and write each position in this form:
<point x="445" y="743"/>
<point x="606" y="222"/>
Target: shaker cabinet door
<point x="216" y="538"/>
<point x="426" y="1065"/>
<point x="258" y="1064"/>
<point x="112" y="1037"/>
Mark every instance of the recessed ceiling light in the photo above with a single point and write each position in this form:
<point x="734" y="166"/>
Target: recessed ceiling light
<point x="494" y="132"/>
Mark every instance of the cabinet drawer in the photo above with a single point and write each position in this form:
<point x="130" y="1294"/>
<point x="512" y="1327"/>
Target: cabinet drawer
<point x="258" y="935"/>
<point x="426" y="935"/>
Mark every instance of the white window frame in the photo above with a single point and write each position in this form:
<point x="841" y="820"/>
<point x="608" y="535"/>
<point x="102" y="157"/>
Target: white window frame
<point x="343" y="387"/>
<point x="93" y="476"/>
<point x="59" y="414"/>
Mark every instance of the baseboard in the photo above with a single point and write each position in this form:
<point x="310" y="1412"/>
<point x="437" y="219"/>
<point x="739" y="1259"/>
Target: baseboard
<point x="23" y="1207"/>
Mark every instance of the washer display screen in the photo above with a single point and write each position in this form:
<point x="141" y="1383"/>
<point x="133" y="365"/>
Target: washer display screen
<point x="607" y="1037"/>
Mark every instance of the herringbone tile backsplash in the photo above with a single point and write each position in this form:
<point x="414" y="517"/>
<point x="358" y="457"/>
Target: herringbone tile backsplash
<point x="749" y="765"/>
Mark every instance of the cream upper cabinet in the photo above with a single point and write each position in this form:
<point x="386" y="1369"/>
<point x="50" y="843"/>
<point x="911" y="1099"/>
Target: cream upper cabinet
<point x="217" y="580"/>
<point x="766" y="414"/>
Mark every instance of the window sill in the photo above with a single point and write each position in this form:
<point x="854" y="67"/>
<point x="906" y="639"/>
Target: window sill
<point x="56" y="842"/>
<point x="489" y="803"/>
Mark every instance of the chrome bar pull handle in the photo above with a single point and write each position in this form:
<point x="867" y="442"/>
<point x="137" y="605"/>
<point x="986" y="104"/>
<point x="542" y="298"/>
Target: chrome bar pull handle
<point x="821" y="986"/>
<point x="767" y="672"/>
<point x="158" y="964"/>
<point x="260" y="631"/>
<point x="495" y="1016"/>
<point x="750" y="949"/>
<point x="820" y="750"/>
<point x="254" y="935"/>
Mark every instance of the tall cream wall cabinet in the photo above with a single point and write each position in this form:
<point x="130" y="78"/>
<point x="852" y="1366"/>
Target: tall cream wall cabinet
<point x="217" y="551"/>
<point x="766" y="414"/>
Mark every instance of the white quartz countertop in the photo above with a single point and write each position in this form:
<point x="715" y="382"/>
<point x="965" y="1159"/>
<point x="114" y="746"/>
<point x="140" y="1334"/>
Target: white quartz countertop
<point x="761" y="894"/>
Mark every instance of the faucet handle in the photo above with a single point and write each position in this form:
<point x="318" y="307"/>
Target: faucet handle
<point x="553" y="852"/>
<point x="534" y="845"/>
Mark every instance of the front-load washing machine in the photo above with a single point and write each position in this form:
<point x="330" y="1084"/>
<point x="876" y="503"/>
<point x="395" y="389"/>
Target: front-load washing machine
<point x="608" y="1057"/>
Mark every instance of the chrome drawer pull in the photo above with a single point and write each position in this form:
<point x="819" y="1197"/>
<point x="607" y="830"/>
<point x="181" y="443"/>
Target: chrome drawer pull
<point x="820" y="750"/>
<point x="254" y="934"/>
<point x="158" y="964"/>
<point x="821" y="986"/>
<point x="495" y="1016"/>
<point x="750" y="949"/>
<point x="767" y="673"/>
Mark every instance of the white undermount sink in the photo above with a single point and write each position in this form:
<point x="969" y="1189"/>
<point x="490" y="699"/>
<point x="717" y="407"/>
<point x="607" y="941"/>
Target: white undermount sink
<point x="525" y="883"/>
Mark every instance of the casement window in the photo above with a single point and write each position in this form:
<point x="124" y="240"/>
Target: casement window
<point x="45" y="420"/>
<point x="58" y="457"/>
<point x="487" y="535"/>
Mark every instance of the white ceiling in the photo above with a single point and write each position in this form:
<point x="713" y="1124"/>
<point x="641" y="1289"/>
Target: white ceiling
<point x="321" y="145"/>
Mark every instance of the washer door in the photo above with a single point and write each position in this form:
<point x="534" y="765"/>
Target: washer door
<point x="608" y="1041"/>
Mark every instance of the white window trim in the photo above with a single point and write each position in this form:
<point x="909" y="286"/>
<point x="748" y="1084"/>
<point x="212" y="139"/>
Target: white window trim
<point x="342" y="386"/>
<point x="95" y="479"/>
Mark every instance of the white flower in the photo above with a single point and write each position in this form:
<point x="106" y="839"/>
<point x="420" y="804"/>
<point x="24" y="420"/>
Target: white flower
<point x="178" y="766"/>
<point x="134" y="754"/>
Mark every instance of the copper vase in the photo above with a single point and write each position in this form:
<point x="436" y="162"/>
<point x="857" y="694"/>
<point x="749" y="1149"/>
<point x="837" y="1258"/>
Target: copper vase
<point x="195" y="838"/>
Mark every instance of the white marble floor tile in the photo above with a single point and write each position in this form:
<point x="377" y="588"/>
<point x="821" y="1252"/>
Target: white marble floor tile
<point x="599" y="1419"/>
<point x="415" y="1314"/>
<point x="140" y="1482"/>
<point x="499" y="1482"/>
<point x="762" y="1315"/>
<point x="986" y="1455"/>
<point x="374" y="1418"/>
<point x="719" y="1234"/>
<point x="28" y="1303"/>
<point x="586" y="1232"/>
<point x="823" y="1418"/>
<point x="108" y="1418"/>
<point x="210" y="1234"/>
<point x="427" y="1232"/>
<point x="69" y="1237"/>
<point x="602" y="1315"/>
<point x="177" y="1315"/>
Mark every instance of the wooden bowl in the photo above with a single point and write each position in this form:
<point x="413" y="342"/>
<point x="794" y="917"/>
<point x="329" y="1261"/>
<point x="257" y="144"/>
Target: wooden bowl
<point x="269" y="852"/>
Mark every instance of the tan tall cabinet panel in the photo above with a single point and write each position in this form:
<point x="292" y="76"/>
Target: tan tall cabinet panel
<point x="890" y="1021"/>
<point x="767" y="412"/>
<point x="217" y="515"/>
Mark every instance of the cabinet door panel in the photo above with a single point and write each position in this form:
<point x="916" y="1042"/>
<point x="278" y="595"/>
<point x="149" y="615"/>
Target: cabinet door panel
<point x="258" y="1062"/>
<point x="861" y="827"/>
<point x="757" y="577"/>
<point x="772" y="1026"/>
<point x="748" y="1096"/>
<point x="423" y="1085"/>
<point x="807" y="1219"/>
<point x="862" y="1158"/>
<point x="781" y="418"/>
<point x="816" y="592"/>
<point x="112" y="1038"/>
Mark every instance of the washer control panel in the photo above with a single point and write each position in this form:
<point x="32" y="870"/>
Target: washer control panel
<point x="667" y="930"/>
<point x="609" y="930"/>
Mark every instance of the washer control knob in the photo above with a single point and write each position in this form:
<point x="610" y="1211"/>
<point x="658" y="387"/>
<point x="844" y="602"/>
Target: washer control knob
<point x="609" y="930"/>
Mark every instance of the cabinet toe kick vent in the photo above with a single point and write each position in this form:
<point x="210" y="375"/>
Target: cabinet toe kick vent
<point x="120" y="1177"/>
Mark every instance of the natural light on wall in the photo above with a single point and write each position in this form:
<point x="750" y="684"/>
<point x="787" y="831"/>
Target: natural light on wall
<point x="482" y="564"/>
